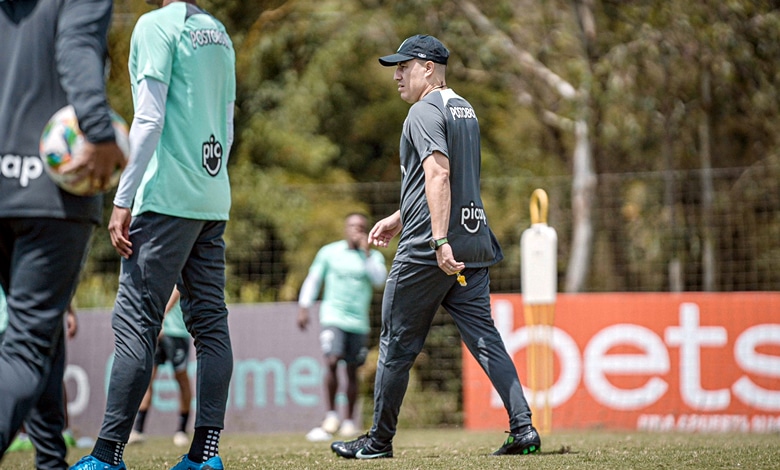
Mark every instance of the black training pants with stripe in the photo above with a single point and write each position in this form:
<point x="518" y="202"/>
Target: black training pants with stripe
<point x="413" y="294"/>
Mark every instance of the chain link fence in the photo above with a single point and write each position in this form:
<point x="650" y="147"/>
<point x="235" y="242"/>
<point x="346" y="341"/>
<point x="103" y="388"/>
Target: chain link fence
<point x="716" y="230"/>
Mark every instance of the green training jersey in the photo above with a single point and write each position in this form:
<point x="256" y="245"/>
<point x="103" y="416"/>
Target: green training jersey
<point x="173" y="324"/>
<point x="188" y="50"/>
<point x="348" y="287"/>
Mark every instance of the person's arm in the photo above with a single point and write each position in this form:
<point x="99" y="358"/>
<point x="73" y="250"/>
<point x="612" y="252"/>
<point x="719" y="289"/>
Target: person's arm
<point x="175" y="297"/>
<point x="172" y="301"/>
<point x="310" y="289"/>
<point x="384" y="230"/>
<point x="145" y="132"/>
<point x="437" y="191"/>
<point x="81" y="48"/>
<point x="376" y="269"/>
<point x="71" y="322"/>
<point x="309" y="292"/>
<point x="231" y="106"/>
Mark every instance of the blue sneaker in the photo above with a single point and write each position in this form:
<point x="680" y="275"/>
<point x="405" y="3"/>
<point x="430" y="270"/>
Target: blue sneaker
<point x="214" y="463"/>
<point x="91" y="463"/>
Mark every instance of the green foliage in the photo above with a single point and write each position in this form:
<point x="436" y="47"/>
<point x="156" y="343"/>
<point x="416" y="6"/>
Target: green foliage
<point x="315" y="108"/>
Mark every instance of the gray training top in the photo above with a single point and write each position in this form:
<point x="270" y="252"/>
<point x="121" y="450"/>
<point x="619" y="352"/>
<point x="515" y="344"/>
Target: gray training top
<point x="52" y="53"/>
<point x="443" y="121"/>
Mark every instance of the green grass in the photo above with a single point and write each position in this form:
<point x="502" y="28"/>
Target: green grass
<point x="457" y="449"/>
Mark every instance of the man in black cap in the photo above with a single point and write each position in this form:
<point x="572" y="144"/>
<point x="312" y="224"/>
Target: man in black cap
<point x="444" y="252"/>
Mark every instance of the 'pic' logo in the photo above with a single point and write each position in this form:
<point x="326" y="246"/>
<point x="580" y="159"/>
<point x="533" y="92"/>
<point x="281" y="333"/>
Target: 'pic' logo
<point x="472" y="217"/>
<point x="212" y="156"/>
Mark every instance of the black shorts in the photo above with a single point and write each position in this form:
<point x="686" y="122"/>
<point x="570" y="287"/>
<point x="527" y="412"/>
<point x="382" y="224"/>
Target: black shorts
<point x="349" y="347"/>
<point x="173" y="349"/>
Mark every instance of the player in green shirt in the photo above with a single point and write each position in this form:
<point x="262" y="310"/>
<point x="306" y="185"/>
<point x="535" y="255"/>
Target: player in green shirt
<point x="168" y="222"/>
<point x="350" y="270"/>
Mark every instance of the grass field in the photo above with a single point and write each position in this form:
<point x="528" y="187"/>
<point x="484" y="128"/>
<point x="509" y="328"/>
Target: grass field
<point x="457" y="449"/>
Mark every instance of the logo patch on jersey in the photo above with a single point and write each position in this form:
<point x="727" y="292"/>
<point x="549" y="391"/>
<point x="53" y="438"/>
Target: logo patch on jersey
<point x="212" y="156"/>
<point x="472" y="217"/>
<point x="23" y="168"/>
<point x="208" y="37"/>
<point x="462" y="112"/>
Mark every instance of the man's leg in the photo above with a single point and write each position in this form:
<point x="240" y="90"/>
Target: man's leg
<point x="412" y="296"/>
<point x="470" y="308"/>
<point x="355" y="345"/>
<point x="46" y="420"/>
<point x="202" y="289"/>
<point x="137" y="433"/>
<point x="160" y="246"/>
<point x="40" y="261"/>
<point x="331" y="384"/>
<point x="352" y="391"/>
<point x="185" y="398"/>
<point x="332" y="344"/>
<point x="180" y="360"/>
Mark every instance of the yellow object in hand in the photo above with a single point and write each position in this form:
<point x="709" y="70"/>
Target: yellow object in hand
<point x="461" y="279"/>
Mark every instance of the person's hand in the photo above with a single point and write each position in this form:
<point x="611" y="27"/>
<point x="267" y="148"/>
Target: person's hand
<point x="71" y="322"/>
<point x="364" y="245"/>
<point x="119" y="230"/>
<point x="303" y="318"/>
<point x="447" y="262"/>
<point x="384" y="230"/>
<point x="97" y="164"/>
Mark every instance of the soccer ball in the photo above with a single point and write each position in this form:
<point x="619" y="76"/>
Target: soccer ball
<point x="62" y="142"/>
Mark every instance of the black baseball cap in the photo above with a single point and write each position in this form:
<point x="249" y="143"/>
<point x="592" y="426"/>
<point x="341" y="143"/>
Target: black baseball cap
<point x="420" y="46"/>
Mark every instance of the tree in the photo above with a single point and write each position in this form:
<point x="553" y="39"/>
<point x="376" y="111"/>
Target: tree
<point x="577" y="123"/>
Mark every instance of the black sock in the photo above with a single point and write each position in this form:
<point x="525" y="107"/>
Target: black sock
<point x="140" y="420"/>
<point x="183" y="418"/>
<point x="205" y="444"/>
<point x="108" y="451"/>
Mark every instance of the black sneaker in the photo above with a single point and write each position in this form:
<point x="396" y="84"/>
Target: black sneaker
<point x="525" y="441"/>
<point x="363" y="447"/>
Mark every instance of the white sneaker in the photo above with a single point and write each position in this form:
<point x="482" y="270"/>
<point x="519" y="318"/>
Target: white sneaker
<point x="318" y="435"/>
<point x="348" y="429"/>
<point x="330" y="424"/>
<point x="181" y="439"/>
<point x="136" y="437"/>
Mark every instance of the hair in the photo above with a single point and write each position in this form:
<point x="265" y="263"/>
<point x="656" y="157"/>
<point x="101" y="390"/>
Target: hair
<point x="361" y="214"/>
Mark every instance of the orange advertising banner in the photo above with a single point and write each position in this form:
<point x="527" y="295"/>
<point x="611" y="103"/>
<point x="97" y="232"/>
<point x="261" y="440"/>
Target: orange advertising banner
<point x="646" y="361"/>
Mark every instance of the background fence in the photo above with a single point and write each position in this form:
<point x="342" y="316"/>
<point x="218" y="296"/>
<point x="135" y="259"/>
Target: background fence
<point x="646" y="226"/>
<point x="653" y="232"/>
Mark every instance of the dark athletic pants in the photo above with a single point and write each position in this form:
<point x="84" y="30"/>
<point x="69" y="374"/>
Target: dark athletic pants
<point x="40" y="261"/>
<point x="166" y="249"/>
<point x="412" y="296"/>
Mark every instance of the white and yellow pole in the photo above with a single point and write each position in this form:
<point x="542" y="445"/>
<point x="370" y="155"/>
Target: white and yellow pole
<point x="539" y="283"/>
